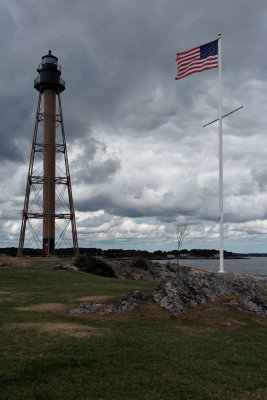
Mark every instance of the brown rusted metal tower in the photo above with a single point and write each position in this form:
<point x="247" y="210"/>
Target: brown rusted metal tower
<point x="48" y="195"/>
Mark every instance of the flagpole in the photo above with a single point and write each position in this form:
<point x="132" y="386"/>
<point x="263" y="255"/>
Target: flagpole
<point x="220" y="154"/>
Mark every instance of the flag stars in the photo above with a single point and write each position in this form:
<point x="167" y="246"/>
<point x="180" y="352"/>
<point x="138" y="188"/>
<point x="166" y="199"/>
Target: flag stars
<point x="209" y="49"/>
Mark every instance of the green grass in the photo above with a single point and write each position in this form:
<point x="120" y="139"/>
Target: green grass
<point x="146" y="355"/>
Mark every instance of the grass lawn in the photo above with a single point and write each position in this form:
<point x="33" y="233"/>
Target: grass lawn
<point x="214" y="352"/>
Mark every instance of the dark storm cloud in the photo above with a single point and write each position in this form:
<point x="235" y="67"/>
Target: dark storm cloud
<point x="93" y="164"/>
<point x="114" y="53"/>
<point x="14" y="128"/>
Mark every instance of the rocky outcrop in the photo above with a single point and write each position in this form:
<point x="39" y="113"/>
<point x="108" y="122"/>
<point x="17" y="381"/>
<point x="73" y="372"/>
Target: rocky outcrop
<point x="181" y="289"/>
<point x="252" y="304"/>
<point x="129" y="269"/>
<point x="127" y="303"/>
<point x="187" y="288"/>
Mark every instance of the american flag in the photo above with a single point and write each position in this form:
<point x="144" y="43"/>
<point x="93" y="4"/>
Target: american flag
<point x="197" y="59"/>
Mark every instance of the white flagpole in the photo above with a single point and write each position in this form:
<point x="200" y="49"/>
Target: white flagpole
<point x="220" y="153"/>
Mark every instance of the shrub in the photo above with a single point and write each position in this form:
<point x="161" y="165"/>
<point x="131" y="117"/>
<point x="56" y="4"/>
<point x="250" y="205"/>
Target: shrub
<point x="94" y="265"/>
<point x="140" y="262"/>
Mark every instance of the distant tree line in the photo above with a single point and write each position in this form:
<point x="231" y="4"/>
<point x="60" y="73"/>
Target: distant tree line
<point x="121" y="253"/>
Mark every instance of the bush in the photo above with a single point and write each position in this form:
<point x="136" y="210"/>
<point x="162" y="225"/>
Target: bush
<point x="140" y="262"/>
<point x="94" y="265"/>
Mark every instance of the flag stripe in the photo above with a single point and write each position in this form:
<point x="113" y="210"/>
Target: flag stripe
<point x="186" y="61"/>
<point x="187" y="51"/>
<point x="188" y="58"/>
<point x="194" y="53"/>
<point x="194" y="71"/>
<point x="197" y="59"/>
<point x="211" y="60"/>
<point x="196" y="68"/>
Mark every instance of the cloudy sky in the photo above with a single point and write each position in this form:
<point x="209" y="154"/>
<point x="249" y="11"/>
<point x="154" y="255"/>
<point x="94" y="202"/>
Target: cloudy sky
<point x="140" y="160"/>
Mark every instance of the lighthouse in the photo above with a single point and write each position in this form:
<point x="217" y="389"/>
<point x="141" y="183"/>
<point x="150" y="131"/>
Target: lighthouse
<point x="49" y="179"/>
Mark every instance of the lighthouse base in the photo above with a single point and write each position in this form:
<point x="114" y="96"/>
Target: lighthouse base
<point x="48" y="247"/>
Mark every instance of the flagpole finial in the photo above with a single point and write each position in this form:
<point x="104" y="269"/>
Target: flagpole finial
<point x="219" y="35"/>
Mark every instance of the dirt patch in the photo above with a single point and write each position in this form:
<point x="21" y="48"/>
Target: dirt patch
<point x="151" y="311"/>
<point x="33" y="261"/>
<point x="10" y="296"/>
<point x="43" y="307"/>
<point x="148" y="311"/>
<point x="17" y="261"/>
<point x="195" y="331"/>
<point x="208" y="318"/>
<point x="259" y="394"/>
<point x="99" y="299"/>
<point x="63" y="328"/>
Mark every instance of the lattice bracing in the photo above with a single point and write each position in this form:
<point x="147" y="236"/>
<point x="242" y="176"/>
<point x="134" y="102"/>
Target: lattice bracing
<point x="34" y="212"/>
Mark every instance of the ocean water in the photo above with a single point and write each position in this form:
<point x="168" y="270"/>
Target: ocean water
<point x="256" y="266"/>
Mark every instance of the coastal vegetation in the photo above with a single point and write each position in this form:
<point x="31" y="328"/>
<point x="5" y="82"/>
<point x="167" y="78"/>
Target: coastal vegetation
<point x="212" y="352"/>
<point x="94" y="265"/>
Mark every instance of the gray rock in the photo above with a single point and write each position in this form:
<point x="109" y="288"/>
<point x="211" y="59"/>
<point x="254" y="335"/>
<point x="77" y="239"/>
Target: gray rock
<point x="127" y="303"/>
<point x="252" y="304"/>
<point x="63" y="267"/>
<point x="228" y="324"/>
<point x="187" y="288"/>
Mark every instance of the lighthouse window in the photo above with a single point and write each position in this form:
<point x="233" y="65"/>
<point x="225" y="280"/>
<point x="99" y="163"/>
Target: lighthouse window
<point x="49" y="60"/>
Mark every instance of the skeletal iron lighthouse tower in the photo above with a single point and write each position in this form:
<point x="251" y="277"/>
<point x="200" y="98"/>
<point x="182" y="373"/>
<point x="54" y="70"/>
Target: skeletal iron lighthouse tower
<point x="48" y="195"/>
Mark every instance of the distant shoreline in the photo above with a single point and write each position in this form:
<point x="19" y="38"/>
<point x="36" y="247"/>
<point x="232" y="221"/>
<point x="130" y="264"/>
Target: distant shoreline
<point x="200" y="258"/>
